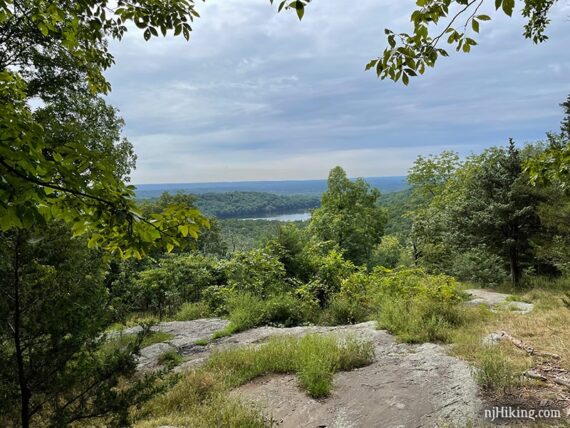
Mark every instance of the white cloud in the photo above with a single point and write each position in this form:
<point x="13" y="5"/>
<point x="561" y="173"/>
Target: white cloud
<point x="257" y="95"/>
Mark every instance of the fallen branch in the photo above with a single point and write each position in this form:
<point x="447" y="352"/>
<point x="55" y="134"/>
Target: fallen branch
<point x="528" y="349"/>
<point x="561" y="381"/>
<point x="533" y="374"/>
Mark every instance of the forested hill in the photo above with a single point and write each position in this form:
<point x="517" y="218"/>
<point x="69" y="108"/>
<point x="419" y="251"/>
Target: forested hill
<point x="291" y="187"/>
<point x="245" y="204"/>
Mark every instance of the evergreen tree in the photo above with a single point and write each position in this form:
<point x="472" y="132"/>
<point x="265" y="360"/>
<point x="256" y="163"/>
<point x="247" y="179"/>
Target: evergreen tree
<point x="498" y="209"/>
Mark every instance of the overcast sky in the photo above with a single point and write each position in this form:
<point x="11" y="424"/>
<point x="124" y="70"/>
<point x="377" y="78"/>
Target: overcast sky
<point x="257" y="95"/>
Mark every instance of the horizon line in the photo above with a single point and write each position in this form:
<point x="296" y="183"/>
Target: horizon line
<point x="265" y="181"/>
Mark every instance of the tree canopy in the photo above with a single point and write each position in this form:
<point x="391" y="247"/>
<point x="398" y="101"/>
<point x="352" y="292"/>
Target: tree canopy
<point x="350" y="216"/>
<point x="59" y="163"/>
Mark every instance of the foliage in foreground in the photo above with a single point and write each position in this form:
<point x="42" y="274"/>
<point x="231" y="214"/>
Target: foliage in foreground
<point x="201" y="393"/>
<point x="55" y="364"/>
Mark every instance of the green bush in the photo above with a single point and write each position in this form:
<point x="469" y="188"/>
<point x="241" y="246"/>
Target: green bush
<point x="255" y="271"/>
<point x="388" y="253"/>
<point x="247" y="311"/>
<point x="329" y="272"/>
<point x="418" y="307"/>
<point x="412" y="282"/>
<point x="177" y="279"/>
<point x="479" y="266"/>
<point x="342" y="311"/>
<point x="193" y="311"/>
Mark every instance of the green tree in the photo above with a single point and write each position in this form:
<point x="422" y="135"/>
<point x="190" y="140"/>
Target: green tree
<point x="55" y="367"/>
<point x="49" y="50"/>
<point x="552" y="166"/>
<point x="429" y="179"/>
<point x="207" y="240"/>
<point x="498" y="209"/>
<point x="349" y="216"/>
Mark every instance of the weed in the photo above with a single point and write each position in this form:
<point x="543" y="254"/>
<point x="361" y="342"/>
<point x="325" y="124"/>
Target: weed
<point x="496" y="372"/>
<point x="170" y="359"/>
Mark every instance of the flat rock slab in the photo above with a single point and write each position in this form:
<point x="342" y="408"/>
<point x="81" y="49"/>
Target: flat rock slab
<point x="406" y="386"/>
<point x="496" y="301"/>
<point x="185" y="335"/>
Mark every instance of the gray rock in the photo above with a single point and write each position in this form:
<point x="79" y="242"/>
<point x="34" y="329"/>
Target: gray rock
<point x="497" y="301"/>
<point x="406" y="385"/>
<point x="150" y="355"/>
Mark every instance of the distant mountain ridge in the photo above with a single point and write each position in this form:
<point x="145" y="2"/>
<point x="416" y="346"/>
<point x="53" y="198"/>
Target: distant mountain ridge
<point x="290" y="187"/>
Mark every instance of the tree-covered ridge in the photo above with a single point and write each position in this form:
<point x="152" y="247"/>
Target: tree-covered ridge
<point x="251" y="204"/>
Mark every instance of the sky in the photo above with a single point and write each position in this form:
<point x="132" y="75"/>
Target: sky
<point x="256" y="95"/>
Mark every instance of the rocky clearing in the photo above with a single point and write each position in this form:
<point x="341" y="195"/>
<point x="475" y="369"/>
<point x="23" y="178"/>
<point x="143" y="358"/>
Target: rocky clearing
<point x="405" y="386"/>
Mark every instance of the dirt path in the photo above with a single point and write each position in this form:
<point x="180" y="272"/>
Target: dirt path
<point x="406" y="385"/>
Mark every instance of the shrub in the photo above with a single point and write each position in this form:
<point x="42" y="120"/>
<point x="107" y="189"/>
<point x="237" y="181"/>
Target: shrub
<point x="329" y="272"/>
<point x="418" y="307"/>
<point x="247" y="311"/>
<point x="342" y="311"/>
<point x="411" y="282"/>
<point x="354" y="302"/>
<point x="177" y="279"/>
<point x="193" y="311"/>
<point x="255" y="272"/>
<point x="479" y="266"/>
<point x="387" y="253"/>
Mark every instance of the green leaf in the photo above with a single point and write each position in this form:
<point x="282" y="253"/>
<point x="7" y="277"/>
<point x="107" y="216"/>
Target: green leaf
<point x="508" y="7"/>
<point x="475" y="25"/>
<point x="300" y="9"/>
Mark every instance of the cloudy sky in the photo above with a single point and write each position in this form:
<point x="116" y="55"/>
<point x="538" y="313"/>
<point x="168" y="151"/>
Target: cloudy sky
<point x="257" y="95"/>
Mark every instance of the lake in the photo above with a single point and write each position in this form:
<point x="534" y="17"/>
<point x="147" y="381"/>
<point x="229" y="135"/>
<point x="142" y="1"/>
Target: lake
<point x="285" y="217"/>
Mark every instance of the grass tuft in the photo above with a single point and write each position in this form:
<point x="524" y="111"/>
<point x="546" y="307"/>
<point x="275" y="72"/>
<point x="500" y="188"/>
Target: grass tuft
<point x="170" y="359"/>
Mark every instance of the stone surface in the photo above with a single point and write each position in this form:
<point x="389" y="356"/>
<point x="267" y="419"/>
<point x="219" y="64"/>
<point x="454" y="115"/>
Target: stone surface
<point x="497" y="301"/>
<point x="406" y="386"/>
<point x="185" y="335"/>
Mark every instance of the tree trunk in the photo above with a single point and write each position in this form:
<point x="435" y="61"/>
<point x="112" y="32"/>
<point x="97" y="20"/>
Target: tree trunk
<point x="515" y="268"/>
<point x="25" y="393"/>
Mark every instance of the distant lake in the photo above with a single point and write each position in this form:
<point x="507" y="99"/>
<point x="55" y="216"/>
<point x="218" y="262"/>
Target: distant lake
<point x="285" y="217"/>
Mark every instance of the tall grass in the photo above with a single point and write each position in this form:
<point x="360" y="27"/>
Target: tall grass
<point x="200" y="398"/>
<point x="314" y="358"/>
<point x="420" y="320"/>
<point x="193" y="311"/>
